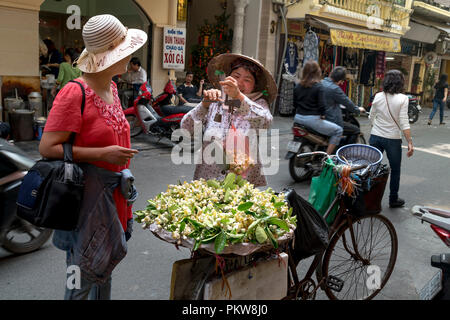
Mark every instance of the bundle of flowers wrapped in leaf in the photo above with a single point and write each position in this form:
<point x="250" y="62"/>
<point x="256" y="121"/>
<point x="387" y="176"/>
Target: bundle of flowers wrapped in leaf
<point x="222" y="213"/>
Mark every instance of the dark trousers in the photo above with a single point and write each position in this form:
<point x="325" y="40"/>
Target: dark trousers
<point x="393" y="148"/>
<point x="351" y="132"/>
<point x="438" y="103"/>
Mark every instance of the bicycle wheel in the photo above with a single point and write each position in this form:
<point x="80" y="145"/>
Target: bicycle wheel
<point x="360" y="278"/>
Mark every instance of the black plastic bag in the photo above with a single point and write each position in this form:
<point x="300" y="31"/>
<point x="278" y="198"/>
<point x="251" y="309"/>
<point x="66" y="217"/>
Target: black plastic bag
<point x="311" y="234"/>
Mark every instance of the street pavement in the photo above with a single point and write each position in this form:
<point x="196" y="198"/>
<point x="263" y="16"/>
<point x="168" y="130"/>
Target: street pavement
<point x="145" y="273"/>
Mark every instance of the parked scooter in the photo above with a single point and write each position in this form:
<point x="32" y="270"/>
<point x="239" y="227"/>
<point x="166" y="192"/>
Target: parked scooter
<point x="439" y="221"/>
<point x="414" y="108"/>
<point x="155" y="116"/>
<point x="16" y="234"/>
<point x="308" y="140"/>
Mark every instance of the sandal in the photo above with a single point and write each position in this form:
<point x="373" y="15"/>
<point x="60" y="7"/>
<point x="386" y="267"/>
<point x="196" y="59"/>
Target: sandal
<point x="429" y="122"/>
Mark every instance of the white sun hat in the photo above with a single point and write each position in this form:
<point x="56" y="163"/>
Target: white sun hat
<point x="107" y="41"/>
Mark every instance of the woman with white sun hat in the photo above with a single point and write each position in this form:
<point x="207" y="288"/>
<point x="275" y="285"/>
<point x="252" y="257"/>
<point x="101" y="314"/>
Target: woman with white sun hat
<point x="102" y="140"/>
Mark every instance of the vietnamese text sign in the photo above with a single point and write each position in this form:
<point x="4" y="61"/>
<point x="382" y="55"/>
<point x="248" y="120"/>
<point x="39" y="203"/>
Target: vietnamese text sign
<point x="174" y="48"/>
<point x="364" y="41"/>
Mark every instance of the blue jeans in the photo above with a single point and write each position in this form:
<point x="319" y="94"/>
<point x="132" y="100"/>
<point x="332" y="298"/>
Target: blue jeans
<point x="393" y="148"/>
<point x="441" y="104"/>
<point x="322" y="126"/>
<point x="87" y="288"/>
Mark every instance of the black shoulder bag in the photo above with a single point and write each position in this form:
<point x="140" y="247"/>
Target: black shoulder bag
<point x="52" y="191"/>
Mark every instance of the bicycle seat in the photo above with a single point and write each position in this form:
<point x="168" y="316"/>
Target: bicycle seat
<point x="171" y="109"/>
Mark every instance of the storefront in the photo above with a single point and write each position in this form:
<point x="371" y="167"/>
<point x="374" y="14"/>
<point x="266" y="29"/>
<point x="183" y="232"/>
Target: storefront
<point x="23" y="23"/>
<point x="58" y="22"/>
<point x="361" y="51"/>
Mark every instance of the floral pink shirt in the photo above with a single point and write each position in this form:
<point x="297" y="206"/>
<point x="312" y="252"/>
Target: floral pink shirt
<point x="216" y="122"/>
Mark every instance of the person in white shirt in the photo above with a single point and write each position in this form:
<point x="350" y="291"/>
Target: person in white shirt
<point x="389" y="118"/>
<point x="135" y="76"/>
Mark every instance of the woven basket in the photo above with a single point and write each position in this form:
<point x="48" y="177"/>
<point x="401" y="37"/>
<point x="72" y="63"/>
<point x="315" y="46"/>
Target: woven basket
<point x="359" y="154"/>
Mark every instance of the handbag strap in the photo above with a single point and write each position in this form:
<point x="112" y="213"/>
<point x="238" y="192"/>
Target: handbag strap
<point x="67" y="146"/>
<point x="389" y="109"/>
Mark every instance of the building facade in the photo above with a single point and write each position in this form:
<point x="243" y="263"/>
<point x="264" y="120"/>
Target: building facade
<point x="357" y="34"/>
<point x="23" y="23"/>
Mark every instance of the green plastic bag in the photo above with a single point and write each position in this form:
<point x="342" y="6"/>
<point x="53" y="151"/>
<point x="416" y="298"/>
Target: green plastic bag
<point x="323" y="191"/>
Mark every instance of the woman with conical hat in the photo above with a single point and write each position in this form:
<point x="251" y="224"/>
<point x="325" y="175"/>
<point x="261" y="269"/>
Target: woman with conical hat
<point x="102" y="140"/>
<point x="251" y="88"/>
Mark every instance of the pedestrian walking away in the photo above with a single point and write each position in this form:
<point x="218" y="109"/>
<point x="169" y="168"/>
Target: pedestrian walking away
<point x="389" y="118"/>
<point x="102" y="145"/>
<point x="440" y="99"/>
<point x="252" y="87"/>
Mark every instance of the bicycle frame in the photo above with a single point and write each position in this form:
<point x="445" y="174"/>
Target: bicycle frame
<point x="342" y="220"/>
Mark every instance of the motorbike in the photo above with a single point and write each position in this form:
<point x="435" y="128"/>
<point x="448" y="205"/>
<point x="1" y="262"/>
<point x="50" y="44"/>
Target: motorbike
<point x="414" y="108"/>
<point x="155" y="116"/>
<point x="16" y="234"/>
<point x="439" y="221"/>
<point x="307" y="140"/>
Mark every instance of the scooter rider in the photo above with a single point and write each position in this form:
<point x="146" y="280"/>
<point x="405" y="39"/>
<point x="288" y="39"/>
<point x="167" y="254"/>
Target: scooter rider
<point x="333" y="97"/>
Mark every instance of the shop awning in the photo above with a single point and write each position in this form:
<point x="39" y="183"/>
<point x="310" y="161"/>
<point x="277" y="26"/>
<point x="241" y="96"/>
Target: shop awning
<point x="422" y="33"/>
<point x="355" y="37"/>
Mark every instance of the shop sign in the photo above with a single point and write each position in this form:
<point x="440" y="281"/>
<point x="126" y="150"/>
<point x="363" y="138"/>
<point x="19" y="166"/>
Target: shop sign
<point x="174" y="44"/>
<point x="409" y="47"/>
<point x="296" y="28"/>
<point x="364" y="41"/>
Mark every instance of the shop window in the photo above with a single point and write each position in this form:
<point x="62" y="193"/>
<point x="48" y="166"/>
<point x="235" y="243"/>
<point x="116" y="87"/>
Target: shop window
<point x="182" y="10"/>
<point x="399" y="2"/>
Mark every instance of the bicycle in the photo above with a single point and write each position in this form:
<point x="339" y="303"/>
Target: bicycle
<point x="342" y="269"/>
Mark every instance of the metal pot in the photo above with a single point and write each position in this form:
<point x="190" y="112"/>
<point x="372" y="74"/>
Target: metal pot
<point x="13" y="103"/>
<point x="35" y="100"/>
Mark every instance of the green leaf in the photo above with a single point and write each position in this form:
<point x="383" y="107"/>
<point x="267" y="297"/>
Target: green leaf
<point x="253" y="225"/>
<point x="229" y="180"/>
<point x="245" y="206"/>
<point x="151" y="204"/>
<point x="253" y="214"/>
<point x="235" y="236"/>
<point x="140" y="213"/>
<point x="182" y="226"/>
<point x="220" y="242"/>
<point x="172" y="208"/>
<point x="227" y="197"/>
<point x="197" y="225"/>
<point x="260" y="234"/>
<point x="197" y="245"/>
<point x="278" y="204"/>
<point x="210" y="239"/>
<point x="271" y="237"/>
<point x="278" y="222"/>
